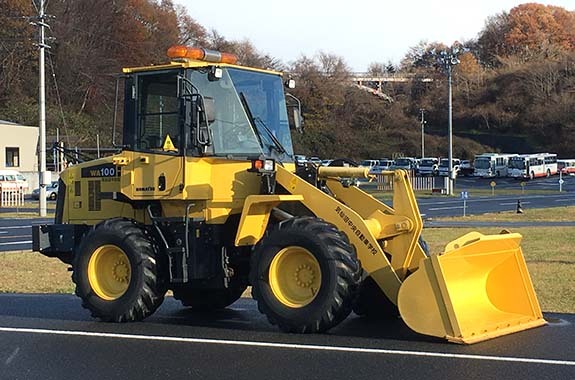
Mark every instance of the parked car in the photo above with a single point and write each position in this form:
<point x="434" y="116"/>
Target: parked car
<point x="383" y="164"/>
<point x="369" y="163"/>
<point x="14" y="177"/>
<point x="315" y="160"/>
<point x="300" y="159"/>
<point x="51" y="192"/>
<point x="428" y="166"/>
<point x="405" y="163"/>
<point x="444" y="167"/>
<point x="466" y="168"/>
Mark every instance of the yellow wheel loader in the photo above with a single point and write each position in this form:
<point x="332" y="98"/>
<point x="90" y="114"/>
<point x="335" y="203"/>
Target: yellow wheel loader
<point x="205" y="199"/>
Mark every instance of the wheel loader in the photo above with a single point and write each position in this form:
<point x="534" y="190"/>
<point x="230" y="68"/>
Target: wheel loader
<point x="205" y="199"/>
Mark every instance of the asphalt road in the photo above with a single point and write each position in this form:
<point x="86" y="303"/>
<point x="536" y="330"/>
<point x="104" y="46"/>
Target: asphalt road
<point x="16" y="234"/>
<point x="52" y="337"/>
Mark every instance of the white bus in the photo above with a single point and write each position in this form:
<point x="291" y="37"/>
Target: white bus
<point x="533" y="165"/>
<point x="566" y="165"/>
<point x="443" y="168"/>
<point x="488" y="165"/>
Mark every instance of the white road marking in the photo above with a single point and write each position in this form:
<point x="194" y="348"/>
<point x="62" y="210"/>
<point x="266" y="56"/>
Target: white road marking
<point x="444" y="208"/>
<point x="287" y="346"/>
<point x="17" y="242"/>
<point x="513" y="203"/>
<point x="564" y="200"/>
<point x="15" y="227"/>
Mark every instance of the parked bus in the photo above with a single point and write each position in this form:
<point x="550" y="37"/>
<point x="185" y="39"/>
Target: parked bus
<point x="488" y="165"/>
<point x="566" y="165"/>
<point x="443" y="168"/>
<point x="533" y="165"/>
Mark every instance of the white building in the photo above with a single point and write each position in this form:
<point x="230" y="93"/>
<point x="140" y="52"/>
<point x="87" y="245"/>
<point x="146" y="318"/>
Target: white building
<point x="19" y="150"/>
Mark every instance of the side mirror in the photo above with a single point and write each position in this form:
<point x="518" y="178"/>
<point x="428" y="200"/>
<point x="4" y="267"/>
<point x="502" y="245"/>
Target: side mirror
<point x="296" y="109"/>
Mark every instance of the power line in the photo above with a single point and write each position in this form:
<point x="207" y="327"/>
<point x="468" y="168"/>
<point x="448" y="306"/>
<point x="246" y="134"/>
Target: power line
<point x="64" y="123"/>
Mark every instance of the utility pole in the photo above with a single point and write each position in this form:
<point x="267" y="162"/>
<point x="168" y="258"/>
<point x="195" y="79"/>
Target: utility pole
<point x="423" y="122"/>
<point x="42" y="107"/>
<point x="449" y="59"/>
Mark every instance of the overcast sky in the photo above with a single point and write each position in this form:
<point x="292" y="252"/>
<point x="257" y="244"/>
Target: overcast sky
<point x="361" y="31"/>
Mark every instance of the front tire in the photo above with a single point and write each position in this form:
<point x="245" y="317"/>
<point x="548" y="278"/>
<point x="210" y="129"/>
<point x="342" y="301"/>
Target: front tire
<point x="305" y="275"/>
<point x="116" y="273"/>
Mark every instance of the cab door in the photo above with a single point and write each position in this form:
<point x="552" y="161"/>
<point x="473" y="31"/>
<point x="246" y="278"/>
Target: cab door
<point x="154" y="131"/>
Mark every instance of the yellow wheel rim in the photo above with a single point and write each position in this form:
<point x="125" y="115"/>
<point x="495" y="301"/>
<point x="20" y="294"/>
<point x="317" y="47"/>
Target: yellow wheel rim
<point x="109" y="272"/>
<point x="295" y="276"/>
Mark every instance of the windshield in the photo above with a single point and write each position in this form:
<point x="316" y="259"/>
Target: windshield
<point x="427" y="162"/>
<point x="482" y="163"/>
<point x="516" y="163"/>
<point x="250" y="113"/>
<point x="403" y="162"/>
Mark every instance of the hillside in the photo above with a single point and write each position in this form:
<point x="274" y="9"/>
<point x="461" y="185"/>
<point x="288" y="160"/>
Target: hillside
<point x="513" y="90"/>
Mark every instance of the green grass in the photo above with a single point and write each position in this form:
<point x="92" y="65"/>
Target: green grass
<point x="24" y="210"/>
<point x="31" y="272"/>
<point x="552" y="214"/>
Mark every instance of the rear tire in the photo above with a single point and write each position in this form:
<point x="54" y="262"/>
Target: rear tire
<point x="116" y="273"/>
<point x="305" y="275"/>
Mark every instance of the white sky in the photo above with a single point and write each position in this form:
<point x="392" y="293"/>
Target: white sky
<point x="361" y="31"/>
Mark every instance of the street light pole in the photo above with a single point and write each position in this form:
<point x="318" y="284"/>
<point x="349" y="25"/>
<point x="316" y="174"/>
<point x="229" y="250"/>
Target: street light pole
<point x="450" y="130"/>
<point x="449" y="59"/>
<point x="422" y="132"/>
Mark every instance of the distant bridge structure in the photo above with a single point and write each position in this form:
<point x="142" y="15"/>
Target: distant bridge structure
<point x="373" y="83"/>
<point x="362" y="77"/>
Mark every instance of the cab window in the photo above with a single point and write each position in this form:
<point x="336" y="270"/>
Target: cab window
<point x="158" y="118"/>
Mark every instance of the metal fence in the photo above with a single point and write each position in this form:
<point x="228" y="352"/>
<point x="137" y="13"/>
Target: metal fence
<point x="11" y="196"/>
<point x="433" y="184"/>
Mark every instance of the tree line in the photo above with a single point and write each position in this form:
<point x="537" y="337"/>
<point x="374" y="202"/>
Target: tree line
<point x="513" y="89"/>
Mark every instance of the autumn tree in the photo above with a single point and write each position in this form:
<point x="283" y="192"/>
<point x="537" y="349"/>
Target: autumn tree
<point x="17" y="52"/>
<point x="529" y="31"/>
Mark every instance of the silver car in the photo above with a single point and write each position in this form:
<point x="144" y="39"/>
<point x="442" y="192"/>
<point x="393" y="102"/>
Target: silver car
<point x="51" y="192"/>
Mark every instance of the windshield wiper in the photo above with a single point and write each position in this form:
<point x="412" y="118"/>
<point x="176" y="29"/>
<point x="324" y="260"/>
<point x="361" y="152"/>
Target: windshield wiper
<point x="251" y="119"/>
<point x="277" y="144"/>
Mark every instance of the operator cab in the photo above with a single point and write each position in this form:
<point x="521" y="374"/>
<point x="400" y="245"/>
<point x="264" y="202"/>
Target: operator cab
<point x="199" y="109"/>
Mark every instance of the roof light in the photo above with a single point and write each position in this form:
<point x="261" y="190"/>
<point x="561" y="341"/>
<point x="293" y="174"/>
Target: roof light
<point x="200" y="54"/>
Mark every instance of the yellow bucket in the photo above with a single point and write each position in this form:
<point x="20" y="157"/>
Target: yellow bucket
<point x="478" y="289"/>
